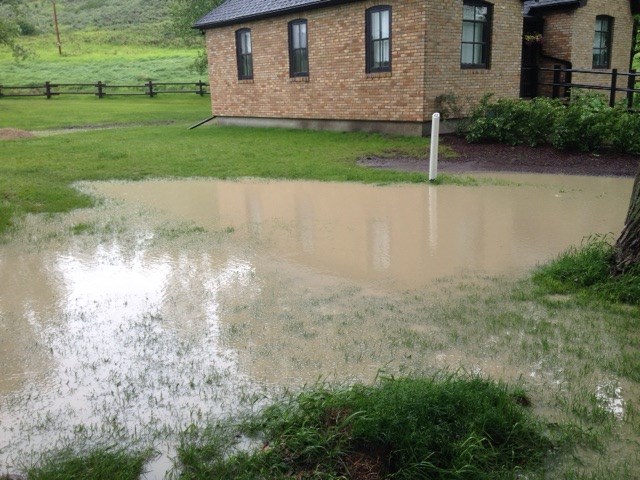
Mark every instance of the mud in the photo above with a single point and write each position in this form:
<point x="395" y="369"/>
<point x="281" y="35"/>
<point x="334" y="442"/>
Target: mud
<point x="463" y="157"/>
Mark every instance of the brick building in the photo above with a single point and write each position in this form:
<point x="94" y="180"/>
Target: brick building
<point x="593" y="35"/>
<point x="381" y="65"/>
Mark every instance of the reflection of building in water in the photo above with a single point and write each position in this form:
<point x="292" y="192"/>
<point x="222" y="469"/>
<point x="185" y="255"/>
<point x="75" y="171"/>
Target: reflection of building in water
<point x="408" y="233"/>
<point x="380" y="240"/>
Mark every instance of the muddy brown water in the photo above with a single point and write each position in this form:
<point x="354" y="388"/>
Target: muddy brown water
<point x="178" y="301"/>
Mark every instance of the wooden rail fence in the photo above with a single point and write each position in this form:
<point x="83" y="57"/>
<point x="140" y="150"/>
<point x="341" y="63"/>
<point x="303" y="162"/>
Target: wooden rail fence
<point x="103" y="89"/>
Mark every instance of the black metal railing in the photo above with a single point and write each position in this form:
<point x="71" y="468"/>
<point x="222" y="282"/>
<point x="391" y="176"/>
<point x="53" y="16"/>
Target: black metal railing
<point x="562" y="82"/>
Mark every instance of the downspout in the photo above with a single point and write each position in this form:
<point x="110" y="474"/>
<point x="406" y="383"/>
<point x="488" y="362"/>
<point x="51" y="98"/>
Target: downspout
<point x="634" y="40"/>
<point x="202" y="122"/>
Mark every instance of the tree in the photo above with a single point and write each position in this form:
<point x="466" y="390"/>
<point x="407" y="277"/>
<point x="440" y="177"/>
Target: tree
<point x="627" y="247"/>
<point x="10" y="28"/>
<point x="184" y="13"/>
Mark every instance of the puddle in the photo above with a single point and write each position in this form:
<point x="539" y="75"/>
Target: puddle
<point x="181" y="301"/>
<point x="409" y="235"/>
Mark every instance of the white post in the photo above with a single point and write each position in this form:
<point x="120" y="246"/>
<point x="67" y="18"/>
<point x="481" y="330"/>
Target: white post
<point x="433" y="158"/>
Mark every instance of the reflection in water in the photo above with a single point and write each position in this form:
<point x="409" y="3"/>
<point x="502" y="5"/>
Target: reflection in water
<point x="155" y="327"/>
<point x="409" y="234"/>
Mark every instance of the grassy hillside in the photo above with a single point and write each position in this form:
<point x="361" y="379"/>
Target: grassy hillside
<point x="119" y="42"/>
<point x="87" y="14"/>
<point x="116" y="56"/>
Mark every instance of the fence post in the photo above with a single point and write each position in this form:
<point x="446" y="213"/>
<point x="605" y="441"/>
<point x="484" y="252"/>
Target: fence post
<point x="556" y="82"/>
<point x="47" y="89"/>
<point x="631" y="85"/>
<point x="200" y="86"/>
<point x="100" y="86"/>
<point x="614" y="87"/>
<point x="150" y="92"/>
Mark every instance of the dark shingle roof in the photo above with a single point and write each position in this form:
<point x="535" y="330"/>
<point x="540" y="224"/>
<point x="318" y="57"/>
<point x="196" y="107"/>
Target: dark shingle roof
<point x="530" y="5"/>
<point x="237" y="11"/>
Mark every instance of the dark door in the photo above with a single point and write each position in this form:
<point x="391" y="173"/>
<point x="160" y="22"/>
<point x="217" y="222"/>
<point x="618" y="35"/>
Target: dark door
<point x="531" y="50"/>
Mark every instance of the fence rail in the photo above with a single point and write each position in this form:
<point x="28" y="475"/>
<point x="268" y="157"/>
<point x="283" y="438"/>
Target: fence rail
<point x="102" y="89"/>
<point x="562" y="82"/>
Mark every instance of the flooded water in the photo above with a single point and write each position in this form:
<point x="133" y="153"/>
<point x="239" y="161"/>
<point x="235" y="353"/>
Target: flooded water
<point x="174" y="302"/>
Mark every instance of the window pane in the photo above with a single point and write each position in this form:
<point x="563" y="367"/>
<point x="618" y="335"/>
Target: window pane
<point x="376" y="54"/>
<point x="467" y="31"/>
<point x="467" y="54"/>
<point x="375" y="25"/>
<point x="477" y="55"/>
<point x="599" y="24"/>
<point x="479" y="32"/>
<point x="384" y="58"/>
<point x="247" y="66"/>
<point x="384" y="24"/>
<point x="303" y="35"/>
<point x="597" y="40"/>
<point x="246" y="42"/>
<point x="481" y="13"/>
<point x="295" y="34"/>
<point x="468" y="12"/>
<point x="296" y="61"/>
<point x="598" y="59"/>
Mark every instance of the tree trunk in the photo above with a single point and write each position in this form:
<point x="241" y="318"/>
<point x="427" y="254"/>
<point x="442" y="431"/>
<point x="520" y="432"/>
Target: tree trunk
<point x="627" y="248"/>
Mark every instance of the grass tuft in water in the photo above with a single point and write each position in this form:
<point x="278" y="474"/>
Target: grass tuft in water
<point x="585" y="270"/>
<point x="104" y="463"/>
<point x="444" y="427"/>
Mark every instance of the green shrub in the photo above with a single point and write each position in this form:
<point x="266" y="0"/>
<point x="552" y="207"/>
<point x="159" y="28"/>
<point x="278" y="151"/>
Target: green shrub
<point x="513" y="121"/>
<point x="622" y="137"/>
<point x="587" y="123"/>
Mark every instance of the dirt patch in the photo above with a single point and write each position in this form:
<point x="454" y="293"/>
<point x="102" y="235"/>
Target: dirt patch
<point x="491" y="157"/>
<point x="13" y="133"/>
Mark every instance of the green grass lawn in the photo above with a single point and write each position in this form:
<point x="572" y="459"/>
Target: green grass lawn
<point x="115" y="56"/>
<point x="152" y="140"/>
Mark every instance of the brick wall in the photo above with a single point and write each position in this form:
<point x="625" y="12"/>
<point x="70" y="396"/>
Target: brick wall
<point x="583" y="32"/>
<point x="444" y="76"/>
<point x="569" y="36"/>
<point x="425" y="57"/>
<point x="337" y="86"/>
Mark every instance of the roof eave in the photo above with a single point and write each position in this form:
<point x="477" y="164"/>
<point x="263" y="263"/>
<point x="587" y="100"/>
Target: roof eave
<point x="274" y="13"/>
<point x="533" y="9"/>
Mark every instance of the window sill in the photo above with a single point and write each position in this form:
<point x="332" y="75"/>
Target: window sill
<point x="248" y="81"/>
<point x="475" y="70"/>
<point x="304" y="79"/>
<point x="375" y="75"/>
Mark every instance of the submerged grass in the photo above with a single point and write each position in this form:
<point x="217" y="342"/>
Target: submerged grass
<point x="406" y="428"/>
<point x="105" y="463"/>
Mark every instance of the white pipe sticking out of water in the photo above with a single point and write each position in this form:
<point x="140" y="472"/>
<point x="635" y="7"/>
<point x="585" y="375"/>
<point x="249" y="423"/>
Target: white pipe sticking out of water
<point x="435" y="139"/>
